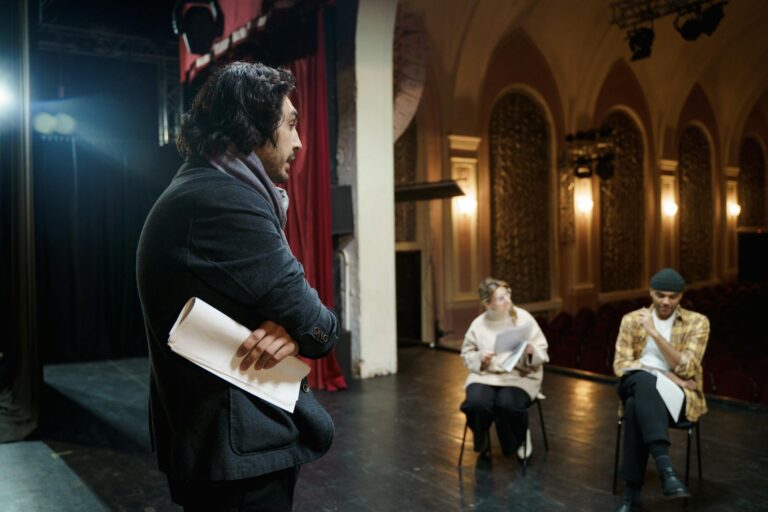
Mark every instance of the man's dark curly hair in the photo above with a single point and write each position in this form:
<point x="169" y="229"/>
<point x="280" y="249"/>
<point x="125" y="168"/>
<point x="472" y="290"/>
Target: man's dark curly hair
<point x="240" y="104"/>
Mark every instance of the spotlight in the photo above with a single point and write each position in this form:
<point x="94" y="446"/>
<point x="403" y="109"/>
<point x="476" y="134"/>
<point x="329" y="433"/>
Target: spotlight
<point x="691" y="28"/>
<point x="583" y="167"/>
<point x="710" y="17"/>
<point x="44" y="123"/>
<point x="640" y="42"/>
<point x="199" y="23"/>
<point x="65" y="124"/>
<point x="604" y="168"/>
<point x="6" y="98"/>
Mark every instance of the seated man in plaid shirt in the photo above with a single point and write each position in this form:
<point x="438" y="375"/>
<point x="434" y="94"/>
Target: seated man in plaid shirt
<point x="670" y="339"/>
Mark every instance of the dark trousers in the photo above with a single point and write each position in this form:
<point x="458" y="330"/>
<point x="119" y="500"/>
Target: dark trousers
<point x="507" y="406"/>
<point x="272" y="492"/>
<point x="646" y="420"/>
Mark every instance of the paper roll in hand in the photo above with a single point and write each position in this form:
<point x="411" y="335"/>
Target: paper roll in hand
<point x="210" y="339"/>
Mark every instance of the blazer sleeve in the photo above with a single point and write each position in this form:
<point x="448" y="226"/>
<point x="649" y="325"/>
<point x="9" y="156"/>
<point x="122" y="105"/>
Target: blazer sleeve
<point x="235" y="246"/>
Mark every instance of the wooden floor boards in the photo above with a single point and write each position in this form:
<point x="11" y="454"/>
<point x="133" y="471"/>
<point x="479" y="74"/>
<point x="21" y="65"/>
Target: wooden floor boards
<point x="395" y="449"/>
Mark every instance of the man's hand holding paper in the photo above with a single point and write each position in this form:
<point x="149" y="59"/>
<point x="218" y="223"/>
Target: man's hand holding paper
<point x="266" y="346"/>
<point x="212" y="340"/>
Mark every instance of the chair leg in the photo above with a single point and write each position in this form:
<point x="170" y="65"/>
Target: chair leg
<point x="616" y="457"/>
<point x="688" y="454"/>
<point x="463" y="440"/>
<point x="698" y="447"/>
<point x="543" y="427"/>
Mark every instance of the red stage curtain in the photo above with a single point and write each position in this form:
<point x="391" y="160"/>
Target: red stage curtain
<point x="309" y="187"/>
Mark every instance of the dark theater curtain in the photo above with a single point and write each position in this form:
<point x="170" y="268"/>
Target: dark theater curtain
<point x="90" y="204"/>
<point x="309" y="214"/>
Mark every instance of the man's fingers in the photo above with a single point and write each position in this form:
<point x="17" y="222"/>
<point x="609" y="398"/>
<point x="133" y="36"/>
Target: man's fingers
<point x="289" y="349"/>
<point x="250" y="342"/>
<point x="256" y="351"/>
<point x="274" y="353"/>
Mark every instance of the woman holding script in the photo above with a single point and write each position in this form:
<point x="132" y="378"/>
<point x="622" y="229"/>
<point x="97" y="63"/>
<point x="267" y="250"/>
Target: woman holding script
<point x="504" y="350"/>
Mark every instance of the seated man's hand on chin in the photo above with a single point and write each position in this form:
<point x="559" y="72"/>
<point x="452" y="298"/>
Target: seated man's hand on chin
<point x="266" y="346"/>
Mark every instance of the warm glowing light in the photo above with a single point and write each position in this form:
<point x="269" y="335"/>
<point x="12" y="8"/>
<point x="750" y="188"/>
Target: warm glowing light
<point x="669" y="207"/>
<point x="44" y="123"/>
<point x="584" y="204"/>
<point x="466" y="205"/>
<point x="734" y="209"/>
<point x="65" y="124"/>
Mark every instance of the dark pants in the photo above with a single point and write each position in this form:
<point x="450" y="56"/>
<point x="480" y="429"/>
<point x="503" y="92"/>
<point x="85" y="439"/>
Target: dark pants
<point x="272" y="492"/>
<point x="646" y="420"/>
<point x="508" y="406"/>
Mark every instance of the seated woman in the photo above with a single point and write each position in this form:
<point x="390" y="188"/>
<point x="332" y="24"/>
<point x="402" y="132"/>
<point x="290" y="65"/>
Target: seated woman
<point x="493" y="392"/>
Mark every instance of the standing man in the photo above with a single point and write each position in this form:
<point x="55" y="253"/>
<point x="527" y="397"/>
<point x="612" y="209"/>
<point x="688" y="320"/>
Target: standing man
<point x="670" y="339"/>
<point x="216" y="233"/>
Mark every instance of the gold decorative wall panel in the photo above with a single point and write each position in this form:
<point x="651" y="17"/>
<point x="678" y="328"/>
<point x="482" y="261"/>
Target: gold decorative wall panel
<point x="696" y="210"/>
<point x="622" y="212"/>
<point x="406" y="159"/>
<point x="520" y="167"/>
<point x="751" y="195"/>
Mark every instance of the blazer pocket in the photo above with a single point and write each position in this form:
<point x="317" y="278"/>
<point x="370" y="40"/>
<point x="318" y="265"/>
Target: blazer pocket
<point x="257" y="426"/>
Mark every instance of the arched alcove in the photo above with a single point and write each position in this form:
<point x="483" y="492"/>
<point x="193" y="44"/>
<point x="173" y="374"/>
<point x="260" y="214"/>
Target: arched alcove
<point x="520" y="166"/>
<point x="696" y="204"/>
<point x="752" y="178"/>
<point x="622" y="215"/>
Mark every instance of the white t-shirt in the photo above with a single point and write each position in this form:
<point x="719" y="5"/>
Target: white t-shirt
<point x="651" y="355"/>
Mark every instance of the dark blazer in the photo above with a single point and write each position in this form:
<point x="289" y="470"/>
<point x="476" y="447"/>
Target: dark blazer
<point x="212" y="236"/>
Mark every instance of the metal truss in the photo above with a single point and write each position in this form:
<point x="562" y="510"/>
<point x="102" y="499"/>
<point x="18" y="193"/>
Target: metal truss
<point x="111" y="45"/>
<point x="631" y="13"/>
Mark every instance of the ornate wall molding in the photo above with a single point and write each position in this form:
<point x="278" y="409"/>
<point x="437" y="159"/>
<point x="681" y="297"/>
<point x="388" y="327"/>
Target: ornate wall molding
<point x="463" y="270"/>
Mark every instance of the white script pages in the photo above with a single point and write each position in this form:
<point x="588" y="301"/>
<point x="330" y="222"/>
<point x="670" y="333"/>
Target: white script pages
<point x="512" y="340"/>
<point x="672" y="395"/>
<point x="210" y="339"/>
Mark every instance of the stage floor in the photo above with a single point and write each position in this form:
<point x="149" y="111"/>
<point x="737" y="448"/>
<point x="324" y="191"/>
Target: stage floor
<point x="396" y="449"/>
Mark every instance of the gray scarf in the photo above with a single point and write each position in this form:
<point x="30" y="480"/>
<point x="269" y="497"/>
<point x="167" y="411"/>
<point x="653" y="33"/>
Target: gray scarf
<point x="250" y="170"/>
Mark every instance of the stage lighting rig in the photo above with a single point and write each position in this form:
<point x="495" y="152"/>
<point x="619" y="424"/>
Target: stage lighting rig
<point x="693" y="18"/>
<point x="199" y="24"/>
<point x="591" y="151"/>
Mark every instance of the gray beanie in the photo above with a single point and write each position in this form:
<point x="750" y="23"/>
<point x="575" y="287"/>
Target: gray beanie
<point x="667" y="280"/>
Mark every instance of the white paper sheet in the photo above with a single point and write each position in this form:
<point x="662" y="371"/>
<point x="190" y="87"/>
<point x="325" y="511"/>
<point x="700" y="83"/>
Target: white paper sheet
<point x="671" y="393"/>
<point x="511" y="361"/>
<point x="508" y="340"/>
<point x="210" y="339"/>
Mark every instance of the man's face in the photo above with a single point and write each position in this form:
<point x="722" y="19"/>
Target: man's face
<point x="665" y="302"/>
<point x="277" y="158"/>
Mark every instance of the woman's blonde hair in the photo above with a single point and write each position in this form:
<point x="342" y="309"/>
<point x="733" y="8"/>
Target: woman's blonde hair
<point x="488" y="287"/>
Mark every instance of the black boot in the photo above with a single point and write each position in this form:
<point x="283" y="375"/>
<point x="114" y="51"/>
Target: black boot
<point x="671" y="486"/>
<point x="627" y="505"/>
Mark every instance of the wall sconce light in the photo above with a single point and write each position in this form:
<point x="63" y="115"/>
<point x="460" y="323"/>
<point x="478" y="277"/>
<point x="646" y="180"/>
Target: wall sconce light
<point x="466" y="205"/>
<point x="584" y="203"/>
<point x="669" y="207"/>
<point x="734" y="209"/>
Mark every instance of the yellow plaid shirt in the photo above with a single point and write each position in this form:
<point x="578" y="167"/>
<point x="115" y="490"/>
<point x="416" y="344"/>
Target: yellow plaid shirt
<point x="690" y="333"/>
